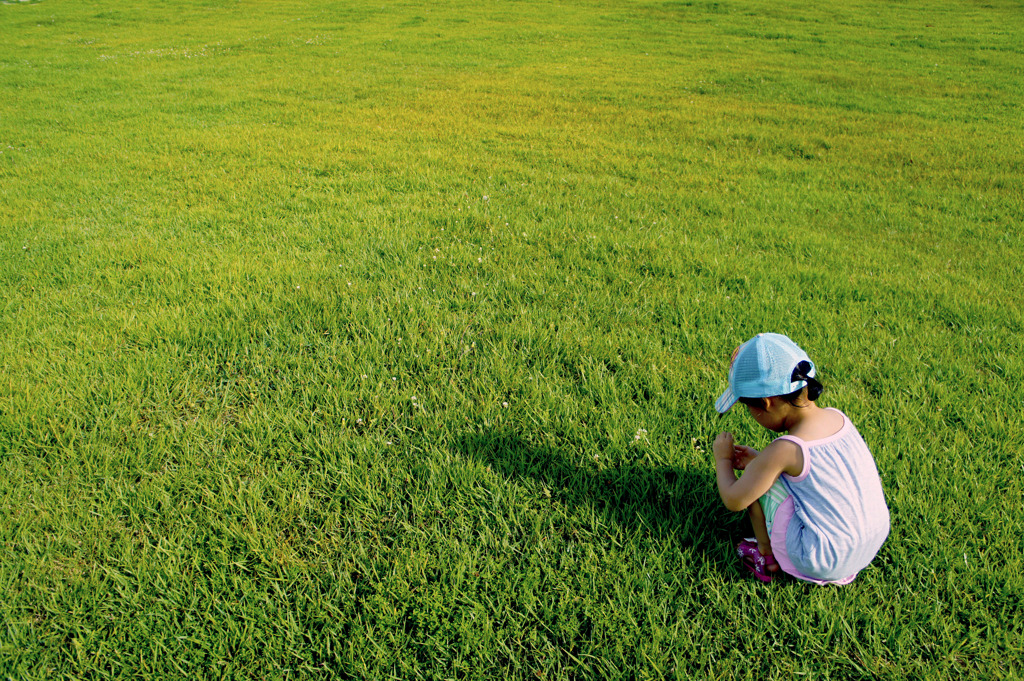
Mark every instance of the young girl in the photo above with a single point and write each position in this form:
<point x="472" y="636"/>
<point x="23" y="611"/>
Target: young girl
<point x="814" y="496"/>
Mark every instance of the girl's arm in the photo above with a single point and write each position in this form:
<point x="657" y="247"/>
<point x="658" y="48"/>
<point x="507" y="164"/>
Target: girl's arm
<point x="742" y="455"/>
<point x="759" y="474"/>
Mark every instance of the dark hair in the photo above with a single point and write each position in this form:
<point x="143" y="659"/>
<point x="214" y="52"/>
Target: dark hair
<point x="813" y="387"/>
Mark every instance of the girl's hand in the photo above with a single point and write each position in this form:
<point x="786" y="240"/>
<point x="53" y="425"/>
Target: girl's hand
<point x="742" y="455"/>
<point x="723" y="447"/>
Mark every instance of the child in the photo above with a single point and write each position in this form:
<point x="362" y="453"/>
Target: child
<point x="814" y="496"/>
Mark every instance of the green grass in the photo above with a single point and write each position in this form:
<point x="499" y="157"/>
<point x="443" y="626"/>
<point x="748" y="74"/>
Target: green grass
<point x="380" y="340"/>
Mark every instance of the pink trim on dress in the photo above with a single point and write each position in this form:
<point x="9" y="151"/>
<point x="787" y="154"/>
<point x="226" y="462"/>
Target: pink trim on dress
<point x="804" y="445"/>
<point x="807" y="460"/>
<point x="780" y="525"/>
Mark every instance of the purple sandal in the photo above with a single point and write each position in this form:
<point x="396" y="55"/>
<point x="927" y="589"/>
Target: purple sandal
<point x="755" y="562"/>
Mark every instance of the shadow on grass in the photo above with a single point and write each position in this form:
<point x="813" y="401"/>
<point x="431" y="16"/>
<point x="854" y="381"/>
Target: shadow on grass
<point x="679" y="504"/>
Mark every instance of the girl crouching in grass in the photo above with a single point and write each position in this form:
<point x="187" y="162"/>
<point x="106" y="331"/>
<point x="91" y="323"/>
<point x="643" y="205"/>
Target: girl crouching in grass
<point x="814" y="496"/>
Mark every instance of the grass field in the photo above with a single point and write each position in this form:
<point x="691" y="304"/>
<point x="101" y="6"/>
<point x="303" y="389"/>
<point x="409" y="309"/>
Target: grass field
<point x="380" y="340"/>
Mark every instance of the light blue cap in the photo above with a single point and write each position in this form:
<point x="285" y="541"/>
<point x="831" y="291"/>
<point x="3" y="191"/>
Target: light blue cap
<point x="763" y="367"/>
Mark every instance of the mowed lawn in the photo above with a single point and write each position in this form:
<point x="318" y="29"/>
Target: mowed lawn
<point x="348" y="339"/>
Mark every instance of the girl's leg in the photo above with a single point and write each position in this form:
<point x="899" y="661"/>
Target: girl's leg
<point x="760" y="525"/>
